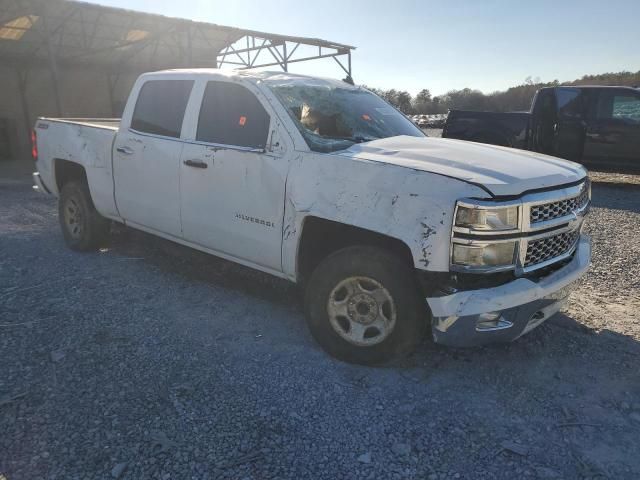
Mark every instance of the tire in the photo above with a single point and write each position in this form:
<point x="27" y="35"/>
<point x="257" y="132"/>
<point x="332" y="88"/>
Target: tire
<point x="363" y="306"/>
<point x="83" y="228"/>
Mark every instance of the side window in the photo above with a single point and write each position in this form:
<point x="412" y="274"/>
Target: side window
<point x="160" y="107"/>
<point x="626" y="107"/>
<point x="545" y="104"/>
<point x="619" y="106"/>
<point x="569" y="102"/>
<point x="232" y="115"/>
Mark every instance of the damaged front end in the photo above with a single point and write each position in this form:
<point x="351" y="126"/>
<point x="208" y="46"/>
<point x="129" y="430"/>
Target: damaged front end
<point x="513" y="264"/>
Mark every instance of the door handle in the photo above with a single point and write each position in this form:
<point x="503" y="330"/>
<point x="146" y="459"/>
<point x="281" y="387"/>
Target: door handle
<point x="195" y="163"/>
<point x="124" y="150"/>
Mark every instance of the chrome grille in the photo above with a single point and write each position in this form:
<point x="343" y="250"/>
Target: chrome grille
<point x="560" y="208"/>
<point x="547" y="235"/>
<point x="539" y="251"/>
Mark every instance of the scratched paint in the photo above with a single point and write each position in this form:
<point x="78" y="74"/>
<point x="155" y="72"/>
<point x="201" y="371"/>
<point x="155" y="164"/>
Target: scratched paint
<point x="412" y="206"/>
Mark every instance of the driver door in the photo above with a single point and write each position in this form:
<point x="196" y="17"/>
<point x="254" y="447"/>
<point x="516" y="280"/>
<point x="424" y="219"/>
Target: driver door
<point x="570" y="126"/>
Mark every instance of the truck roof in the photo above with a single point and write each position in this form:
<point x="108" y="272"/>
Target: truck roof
<point x="585" y="87"/>
<point x="273" y="77"/>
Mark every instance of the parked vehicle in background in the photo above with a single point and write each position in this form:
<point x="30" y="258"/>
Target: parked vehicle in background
<point x="437" y="120"/>
<point x="429" y="121"/>
<point x="325" y="184"/>
<point x="596" y="126"/>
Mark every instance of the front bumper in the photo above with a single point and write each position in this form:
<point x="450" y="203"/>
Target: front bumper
<point x="522" y="305"/>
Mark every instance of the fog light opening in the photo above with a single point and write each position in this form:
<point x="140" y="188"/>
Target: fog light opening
<point x="492" y="321"/>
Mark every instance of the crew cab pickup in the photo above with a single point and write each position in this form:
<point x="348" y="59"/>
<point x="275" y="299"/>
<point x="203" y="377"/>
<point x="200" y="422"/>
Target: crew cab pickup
<point x="596" y="126"/>
<point x="325" y="184"/>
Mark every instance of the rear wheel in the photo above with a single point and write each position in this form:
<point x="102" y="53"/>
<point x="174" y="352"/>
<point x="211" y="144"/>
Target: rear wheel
<point x="83" y="228"/>
<point x="362" y="305"/>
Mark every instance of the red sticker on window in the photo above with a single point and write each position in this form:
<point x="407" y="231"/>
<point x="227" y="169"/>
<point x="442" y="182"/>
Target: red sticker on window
<point x="366" y="117"/>
<point x="242" y="121"/>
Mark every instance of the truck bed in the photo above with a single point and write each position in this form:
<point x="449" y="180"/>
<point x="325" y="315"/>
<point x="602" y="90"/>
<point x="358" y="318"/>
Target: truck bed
<point x="509" y="129"/>
<point x="110" y="123"/>
<point x="84" y="141"/>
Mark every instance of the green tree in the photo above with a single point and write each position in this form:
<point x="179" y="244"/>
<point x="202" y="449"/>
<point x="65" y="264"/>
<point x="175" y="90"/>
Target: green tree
<point x="517" y="98"/>
<point x="422" y="102"/>
<point x="423" y="96"/>
<point x="391" y="96"/>
<point x="403" y="102"/>
<point x="466" y="99"/>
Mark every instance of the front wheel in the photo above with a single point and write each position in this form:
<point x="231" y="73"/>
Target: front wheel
<point x="83" y="228"/>
<point x="362" y="305"/>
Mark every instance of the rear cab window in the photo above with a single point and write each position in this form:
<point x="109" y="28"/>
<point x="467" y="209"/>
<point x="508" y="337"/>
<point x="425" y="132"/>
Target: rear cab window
<point x="161" y="106"/>
<point x="231" y="115"/>
<point x="620" y="106"/>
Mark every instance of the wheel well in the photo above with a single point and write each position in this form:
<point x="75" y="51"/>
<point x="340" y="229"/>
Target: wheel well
<point x="66" y="171"/>
<point x="322" y="237"/>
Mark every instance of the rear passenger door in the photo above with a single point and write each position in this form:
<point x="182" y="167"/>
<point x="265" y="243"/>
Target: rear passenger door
<point x="613" y="137"/>
<point x="146" y="157"/>
<point x="232" y="187"/>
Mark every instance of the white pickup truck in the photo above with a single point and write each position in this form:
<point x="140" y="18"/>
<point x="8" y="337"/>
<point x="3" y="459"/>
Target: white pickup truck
<point x="323" y="183"/>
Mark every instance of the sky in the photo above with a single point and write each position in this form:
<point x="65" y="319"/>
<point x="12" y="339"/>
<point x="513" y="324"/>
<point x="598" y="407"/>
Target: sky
<point x="440" y="45"/>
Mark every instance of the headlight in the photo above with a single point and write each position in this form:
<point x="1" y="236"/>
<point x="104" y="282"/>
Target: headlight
<point x="484" y="255"/>
<point x="492" y="219"/>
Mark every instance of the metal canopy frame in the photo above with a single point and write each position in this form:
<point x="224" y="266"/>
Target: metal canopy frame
<point x="281" y="52"/>
<point x="66" y="34"/>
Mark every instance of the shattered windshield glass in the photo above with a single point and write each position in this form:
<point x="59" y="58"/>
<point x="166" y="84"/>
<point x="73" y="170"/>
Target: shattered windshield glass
<point x="331" y="118"/>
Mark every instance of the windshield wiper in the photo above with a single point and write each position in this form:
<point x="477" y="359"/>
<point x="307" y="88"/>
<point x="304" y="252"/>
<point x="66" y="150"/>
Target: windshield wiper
<point x="354" y="139"/>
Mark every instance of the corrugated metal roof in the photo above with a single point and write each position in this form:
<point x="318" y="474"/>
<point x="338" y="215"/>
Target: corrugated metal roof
<point x="84" y="34"/>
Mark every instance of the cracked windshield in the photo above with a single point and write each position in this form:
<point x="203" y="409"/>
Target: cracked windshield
<point x="332" y="118"/>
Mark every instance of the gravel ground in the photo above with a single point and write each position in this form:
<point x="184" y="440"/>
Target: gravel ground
<point x="149" y="360"/>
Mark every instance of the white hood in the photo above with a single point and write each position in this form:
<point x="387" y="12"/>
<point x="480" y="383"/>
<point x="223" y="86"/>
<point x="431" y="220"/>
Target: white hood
<point x="502" y="170"/>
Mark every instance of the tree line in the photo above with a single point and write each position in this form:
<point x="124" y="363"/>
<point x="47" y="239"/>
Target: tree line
<point x="516" y="98"/>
